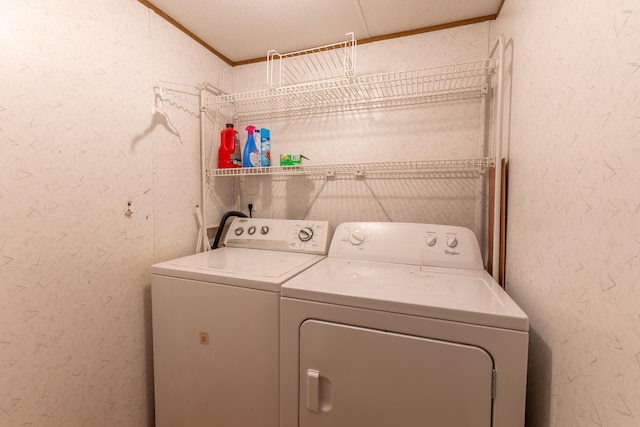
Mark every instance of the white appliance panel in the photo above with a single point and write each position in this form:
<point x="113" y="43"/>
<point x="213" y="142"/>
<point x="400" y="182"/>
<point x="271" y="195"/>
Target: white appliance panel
<point x="468" y="296"/>
<point x="387" y="292"/>
<point x="279" y="235"/>
<point x="431" y="245"/>
<point x="352" y="376"/>
<point x="215" y="354"/>
<point x="216" y="324"/>
<point x="251" y="268"/>
<point x="508" y="349"/>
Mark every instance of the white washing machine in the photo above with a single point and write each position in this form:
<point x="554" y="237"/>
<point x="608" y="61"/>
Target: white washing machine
<point x="216" y="324"/>
<point x="401" y="326"/>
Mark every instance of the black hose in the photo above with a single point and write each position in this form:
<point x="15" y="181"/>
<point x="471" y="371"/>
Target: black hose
<point x="223" y="220"/>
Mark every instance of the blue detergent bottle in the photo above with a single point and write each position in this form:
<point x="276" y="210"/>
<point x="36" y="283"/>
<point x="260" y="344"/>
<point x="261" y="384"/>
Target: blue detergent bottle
<point x="265" y="147"/>
<point x="251" y="157"/>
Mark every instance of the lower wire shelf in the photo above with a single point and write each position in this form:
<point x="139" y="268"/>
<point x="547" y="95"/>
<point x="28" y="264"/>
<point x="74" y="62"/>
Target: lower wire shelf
<point x="449" y="168"/>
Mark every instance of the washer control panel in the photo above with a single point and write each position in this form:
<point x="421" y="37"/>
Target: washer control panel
<point x="432" y="245"/>
<point x="279" y="234"/>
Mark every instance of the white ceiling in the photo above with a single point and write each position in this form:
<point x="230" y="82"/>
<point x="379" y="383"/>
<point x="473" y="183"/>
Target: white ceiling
<point x="243" y="30"/>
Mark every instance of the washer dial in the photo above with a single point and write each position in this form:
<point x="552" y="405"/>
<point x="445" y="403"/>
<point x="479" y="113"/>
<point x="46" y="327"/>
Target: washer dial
<point x="305" y="234"/>
<point x="357" y="237"/>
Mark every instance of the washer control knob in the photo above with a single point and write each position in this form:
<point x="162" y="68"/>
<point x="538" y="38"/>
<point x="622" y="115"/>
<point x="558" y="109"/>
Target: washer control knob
<point x="452" y="242"/>
<point x="238" y="231"/>
<point x="264" y="229"/>
<point x="357" y="237"/>
<point x="432" y="240"/>
<point x="305" y="234"/>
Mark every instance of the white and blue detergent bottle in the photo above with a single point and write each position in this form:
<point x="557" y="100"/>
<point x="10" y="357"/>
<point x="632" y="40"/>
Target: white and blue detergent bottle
<point x="265" y="147"/>
<point x="251" y="157"/>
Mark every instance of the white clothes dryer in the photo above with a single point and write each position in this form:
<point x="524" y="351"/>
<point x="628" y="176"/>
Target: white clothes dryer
<point x="216" y="324"/>
<point x="401" y="326"/>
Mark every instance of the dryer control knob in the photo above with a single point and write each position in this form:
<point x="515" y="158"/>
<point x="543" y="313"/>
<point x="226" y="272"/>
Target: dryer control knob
<point x="305" y="234"/>
<point x="452" y="242"/>
<point x="432" y="240"/>
<point x="357" y="237"/>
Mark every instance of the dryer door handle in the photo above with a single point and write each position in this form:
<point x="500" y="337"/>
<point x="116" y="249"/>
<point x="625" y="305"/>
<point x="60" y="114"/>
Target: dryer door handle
<point x="313" y="390"/>
<point x="319" y="392"/>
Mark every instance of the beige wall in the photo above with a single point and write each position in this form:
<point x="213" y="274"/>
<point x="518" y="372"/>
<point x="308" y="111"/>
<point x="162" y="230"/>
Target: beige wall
<point x="77" y="142"/>
<point x="574" y="207"/>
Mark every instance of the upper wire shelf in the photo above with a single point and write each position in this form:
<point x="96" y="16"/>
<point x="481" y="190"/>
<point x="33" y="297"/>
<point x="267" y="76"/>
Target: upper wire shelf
<point x="449" y="168"/>
<point x="327" y="62"/>
<point x="435" y="84"/>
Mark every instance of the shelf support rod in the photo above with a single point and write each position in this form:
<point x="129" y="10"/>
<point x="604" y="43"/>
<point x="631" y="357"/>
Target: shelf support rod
<point x="498" y="48"/>
<point x="203" y="168"/>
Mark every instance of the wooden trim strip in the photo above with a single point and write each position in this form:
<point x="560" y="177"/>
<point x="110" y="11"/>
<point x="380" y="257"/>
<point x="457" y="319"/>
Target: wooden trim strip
<point x="503" y="224"/>
<point x="429" y="29"/>
<point x="251" y="61"/>
<point x="502" y="255"/>
<point x="186" y="31"/>
<point x="490" y="215"/>
<point x="367" y="40"/>
<point x="402" y="33"/>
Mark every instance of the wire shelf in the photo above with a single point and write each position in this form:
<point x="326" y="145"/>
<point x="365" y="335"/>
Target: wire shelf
<point x="328" y="62"/>
<point x="401" y="169"/>
<point x="436" y="84"/>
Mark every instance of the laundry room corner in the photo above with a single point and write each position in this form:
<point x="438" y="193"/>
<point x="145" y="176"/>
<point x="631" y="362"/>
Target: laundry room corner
<point x="181" y="70"/>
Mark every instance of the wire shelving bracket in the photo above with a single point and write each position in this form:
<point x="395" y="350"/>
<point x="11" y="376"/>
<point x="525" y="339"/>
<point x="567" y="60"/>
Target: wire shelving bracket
<point x="333" y="61"/>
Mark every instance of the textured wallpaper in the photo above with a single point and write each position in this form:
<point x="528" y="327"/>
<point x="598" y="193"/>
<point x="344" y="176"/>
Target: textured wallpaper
<point x="574" y="207"/>
<point x="78" y="142"/>
<point x="82" y="134"/>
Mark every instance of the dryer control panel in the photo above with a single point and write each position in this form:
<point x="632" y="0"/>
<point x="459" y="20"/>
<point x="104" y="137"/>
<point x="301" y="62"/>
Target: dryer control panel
<point x="431" y="245"/>
<point x="279" y="234"/>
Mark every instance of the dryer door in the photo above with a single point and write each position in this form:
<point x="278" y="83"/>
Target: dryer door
<point x="351" y="376"/>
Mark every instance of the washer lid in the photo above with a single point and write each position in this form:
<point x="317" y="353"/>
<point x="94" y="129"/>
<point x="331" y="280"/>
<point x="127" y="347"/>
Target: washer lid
<point x="467" y="296"/>
<point x="251" y="268"/>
